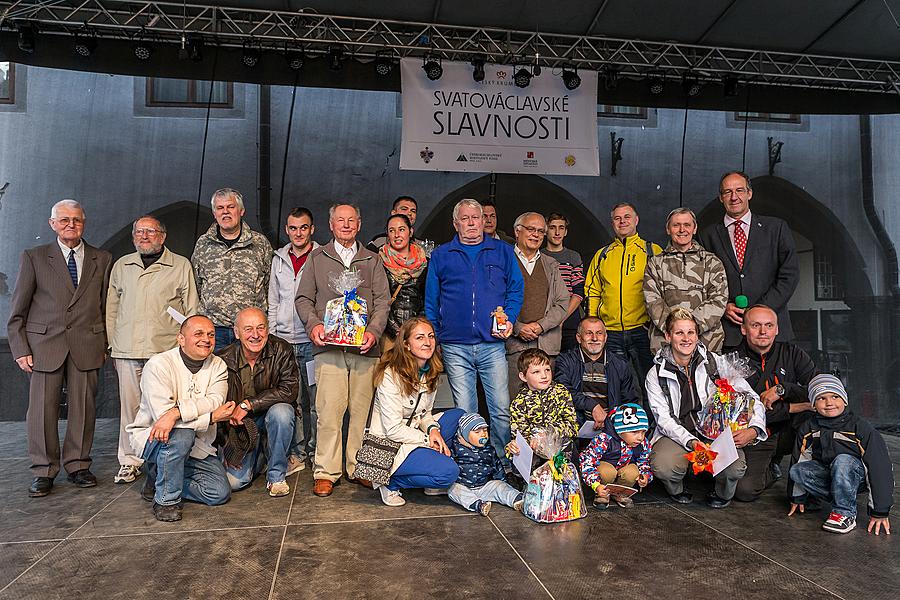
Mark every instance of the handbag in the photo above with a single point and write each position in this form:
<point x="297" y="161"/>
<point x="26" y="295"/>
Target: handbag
<point x="375" y="457"/>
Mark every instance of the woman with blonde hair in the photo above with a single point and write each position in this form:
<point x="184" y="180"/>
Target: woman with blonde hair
<point x="406" y="378"/>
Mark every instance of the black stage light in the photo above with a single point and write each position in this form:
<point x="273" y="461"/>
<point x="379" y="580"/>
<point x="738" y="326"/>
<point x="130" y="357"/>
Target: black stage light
<point x="691" y="85"/>
<point x="142" y="50"/>
<point x="335" y="58"/>
<point x="730" y="86"/>
<point x="478" y="68"/>
<point x="432" y="68"/>
<point x="85" y="44"/>
<point x="522" y="78"/>
<point x="536" y="70"/>
<point x="383" y="64"/>
<point x="26" y="37"/>
<point x="294" y="59"/>
<point x="610" y="79"/>
<point x="191" y="48"/>
<point x="250" y="56"/>
<point x="570" y="78"/>
<point x="656" y="84"/>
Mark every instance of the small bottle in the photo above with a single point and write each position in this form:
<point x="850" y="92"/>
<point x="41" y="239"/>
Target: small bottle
<point x="500" y="321"/>
<point x="741" y="301"/>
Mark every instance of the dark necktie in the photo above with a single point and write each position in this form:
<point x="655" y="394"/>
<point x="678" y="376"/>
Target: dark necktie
<point x="740" y="242"/>
<point x="73" y="270"/>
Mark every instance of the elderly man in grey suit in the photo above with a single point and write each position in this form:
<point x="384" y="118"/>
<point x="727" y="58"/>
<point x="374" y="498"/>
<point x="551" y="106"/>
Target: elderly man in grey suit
<point x="759" y="256"/>
<point x="57" y="334"/>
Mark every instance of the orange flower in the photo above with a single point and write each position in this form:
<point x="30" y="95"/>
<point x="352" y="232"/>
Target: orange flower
<point x="701" y="458"/>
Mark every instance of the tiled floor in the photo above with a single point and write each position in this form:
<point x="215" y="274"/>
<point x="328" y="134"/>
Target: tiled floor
<point x="104" y="543"/>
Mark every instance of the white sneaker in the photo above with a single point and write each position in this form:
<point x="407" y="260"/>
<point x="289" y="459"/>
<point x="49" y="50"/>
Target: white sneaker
<point x="278" y="489"/>
<point x="127" y="474"/>
<point x="435" y="491"/>
<point x="390" y="497"/>
<point x="295" y="464"/>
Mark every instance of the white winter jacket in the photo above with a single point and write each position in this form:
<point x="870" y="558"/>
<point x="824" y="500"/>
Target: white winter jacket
<point x="391" y="410"/>
<point x="667" y="424"/>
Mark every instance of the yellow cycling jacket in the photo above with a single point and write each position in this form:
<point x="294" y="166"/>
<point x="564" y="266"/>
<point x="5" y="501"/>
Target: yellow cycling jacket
<point x="614" y="283"/>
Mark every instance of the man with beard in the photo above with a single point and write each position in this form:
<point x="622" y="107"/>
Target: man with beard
<point x="141" y="287"/>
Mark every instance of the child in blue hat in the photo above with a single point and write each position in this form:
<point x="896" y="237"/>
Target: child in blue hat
<point x="482" y="479"/>
<point x="620" y="454"/>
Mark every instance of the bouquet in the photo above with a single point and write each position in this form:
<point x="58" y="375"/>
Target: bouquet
<point x="346" y="316"/>
<point x="554" y="493"/>
<point x="728" y="409"/>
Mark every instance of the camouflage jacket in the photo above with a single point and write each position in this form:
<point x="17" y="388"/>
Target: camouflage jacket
<point x="695" y="280"/>
<point x="231" y="279"/>
<point x="548" y="408"/>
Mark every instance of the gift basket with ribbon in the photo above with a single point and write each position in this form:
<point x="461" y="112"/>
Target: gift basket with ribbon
<point x="347" y="315"/>
<point x="728" y="409"/>
<point x="554" y="493"/>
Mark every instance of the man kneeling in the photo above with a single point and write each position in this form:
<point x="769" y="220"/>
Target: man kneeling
<point x="182" y="396"/>
<point x="263" y="382"/>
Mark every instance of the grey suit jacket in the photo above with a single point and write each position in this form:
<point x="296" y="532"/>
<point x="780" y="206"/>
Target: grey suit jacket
<point x="770" y="273"/>
<point x="50" y="319"/>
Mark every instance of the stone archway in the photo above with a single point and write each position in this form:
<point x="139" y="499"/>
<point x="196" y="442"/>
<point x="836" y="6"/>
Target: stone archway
<point x="180" y="219"/>
<point x="515" y="194"/>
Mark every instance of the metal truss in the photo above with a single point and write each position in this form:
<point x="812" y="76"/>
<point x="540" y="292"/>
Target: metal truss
<point x="368" y="38"/>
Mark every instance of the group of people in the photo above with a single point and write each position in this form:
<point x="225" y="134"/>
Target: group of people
<point x="247" y="384"/>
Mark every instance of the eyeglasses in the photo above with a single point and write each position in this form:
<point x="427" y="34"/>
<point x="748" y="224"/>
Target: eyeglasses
<point x="738" y="191"/>
<point x="149" y="231"/>
<point x="65" y="221"/>
<point x="537" y="230"/>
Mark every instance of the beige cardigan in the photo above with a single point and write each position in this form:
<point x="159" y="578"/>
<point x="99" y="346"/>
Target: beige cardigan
<point x="391" y="410"/>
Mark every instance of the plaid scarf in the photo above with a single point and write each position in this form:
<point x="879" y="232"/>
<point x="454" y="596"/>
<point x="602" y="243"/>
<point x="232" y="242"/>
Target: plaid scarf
<point x="402" y="269"/>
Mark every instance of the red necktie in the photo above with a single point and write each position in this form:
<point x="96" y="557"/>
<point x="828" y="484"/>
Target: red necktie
<point x="740" y="242"/>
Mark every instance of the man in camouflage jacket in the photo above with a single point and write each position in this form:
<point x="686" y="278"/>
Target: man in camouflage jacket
<point x="688" y="276"/>
<point x="232" y="264"/>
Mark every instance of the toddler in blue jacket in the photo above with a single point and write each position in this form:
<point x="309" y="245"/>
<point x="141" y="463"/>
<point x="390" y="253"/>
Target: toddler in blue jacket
<point x="482" y="479"/>
<point x="620" y="454"/>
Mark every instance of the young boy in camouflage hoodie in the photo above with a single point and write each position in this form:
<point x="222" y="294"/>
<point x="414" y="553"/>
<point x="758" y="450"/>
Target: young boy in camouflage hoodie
<point x="541" y="402"/>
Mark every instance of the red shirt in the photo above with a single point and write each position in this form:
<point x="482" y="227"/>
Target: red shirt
<point x="299" y="261"/>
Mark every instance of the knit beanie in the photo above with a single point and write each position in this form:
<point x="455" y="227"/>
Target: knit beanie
<point x="629" y="417"/>
<point x="470" y="422"/>
<point x="825" y="383"/>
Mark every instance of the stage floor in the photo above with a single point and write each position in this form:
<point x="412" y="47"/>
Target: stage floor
<point x="104" y="543"/>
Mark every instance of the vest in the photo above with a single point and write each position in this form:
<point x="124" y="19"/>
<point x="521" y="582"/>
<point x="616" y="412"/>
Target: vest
<point x="537" y="289"/>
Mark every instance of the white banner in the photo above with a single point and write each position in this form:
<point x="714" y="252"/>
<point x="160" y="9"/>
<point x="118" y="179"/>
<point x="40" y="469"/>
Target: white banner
<point x="458" y="124"/>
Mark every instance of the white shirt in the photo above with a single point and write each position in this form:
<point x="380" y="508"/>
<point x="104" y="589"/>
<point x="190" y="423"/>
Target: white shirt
<point x="79" y="256"/>
<point x="730" y="228"/>
<point x="526" y="262"/>
<point x="345" y="254"/>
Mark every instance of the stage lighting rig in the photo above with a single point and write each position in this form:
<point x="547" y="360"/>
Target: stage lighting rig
<point x="250" y="56"/>
<point x="26" y="37"/>
<point x="570" y="77"/>
<point x="522" y="77"/>
<point x="384" y="63"/>
<point x="335" y="58"/>
<point x="85" y="44"/>
<point x="432" y="67"/>
<point x="478" y="68"/>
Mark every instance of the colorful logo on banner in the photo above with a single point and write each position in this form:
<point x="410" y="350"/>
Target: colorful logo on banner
<point x="458" y="124"/>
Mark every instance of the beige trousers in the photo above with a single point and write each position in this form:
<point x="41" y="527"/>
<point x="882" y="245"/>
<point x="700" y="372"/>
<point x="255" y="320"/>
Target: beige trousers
<point x="627" y="475"/>
<point x="344" y="382"/>
<point x="129" y="372"/>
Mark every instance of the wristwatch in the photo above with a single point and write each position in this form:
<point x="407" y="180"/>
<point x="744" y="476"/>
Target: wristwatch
<point x="779" y="389"/>
<point x="244" y="406"/>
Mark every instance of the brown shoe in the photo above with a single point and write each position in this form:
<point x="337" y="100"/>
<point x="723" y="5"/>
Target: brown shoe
<point x="360" y="481"/>
<point x="322" y="487"/>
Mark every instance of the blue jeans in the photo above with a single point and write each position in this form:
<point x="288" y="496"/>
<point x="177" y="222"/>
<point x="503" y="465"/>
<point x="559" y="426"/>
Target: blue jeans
<point x="427" y="468"/>
<point x="837" y="483"/>
<point x="278" y="425"/>
<point x="179" y="475"/>
<point x="488" y="361"/>
<point x="632" y="345"/>
<point x="304" y="443"/>
<point x="224" y="336"/>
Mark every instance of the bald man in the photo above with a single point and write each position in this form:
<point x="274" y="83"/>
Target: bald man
<point x="182" y="397"/>
<point x="263" y="381"/>
<point x="782" y="372"/>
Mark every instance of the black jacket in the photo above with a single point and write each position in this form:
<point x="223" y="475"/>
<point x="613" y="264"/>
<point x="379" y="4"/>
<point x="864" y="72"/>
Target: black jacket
<point x="408" y="302"/>
<point x="276" y="378"/>
<point x="789" y="365"/>
<point x="569" y="371"/>
<point x="770" y="273"/>
<point x="822" y="439"/>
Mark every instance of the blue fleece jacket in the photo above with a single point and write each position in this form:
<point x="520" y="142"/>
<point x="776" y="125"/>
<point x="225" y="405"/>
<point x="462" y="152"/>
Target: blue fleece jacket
<point x="460" y="294"/>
